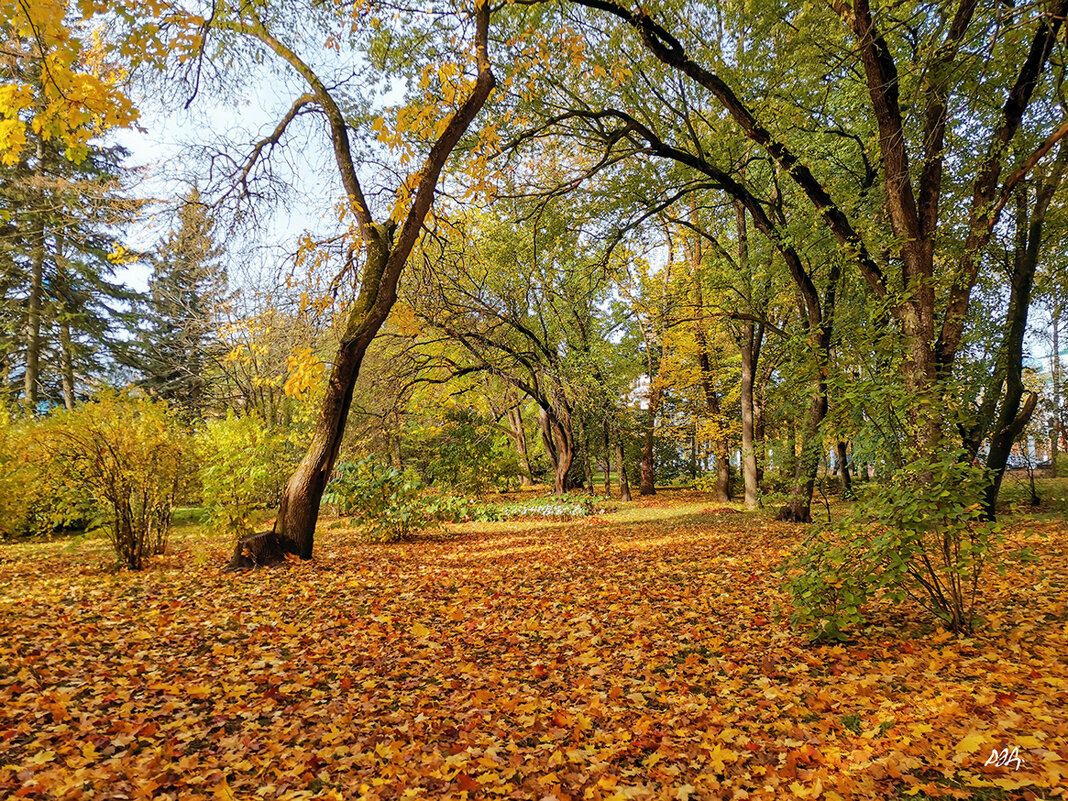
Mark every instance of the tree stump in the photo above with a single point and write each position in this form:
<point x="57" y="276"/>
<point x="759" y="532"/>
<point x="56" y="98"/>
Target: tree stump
<point x="257" y="550"/>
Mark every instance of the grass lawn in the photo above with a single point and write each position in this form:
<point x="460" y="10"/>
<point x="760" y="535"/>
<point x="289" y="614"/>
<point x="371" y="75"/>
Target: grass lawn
<point x="640" y="654"/>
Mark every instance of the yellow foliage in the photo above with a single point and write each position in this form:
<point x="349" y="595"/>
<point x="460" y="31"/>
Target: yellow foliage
<point x="78" y="98"/>
<point x="305" y="370"/>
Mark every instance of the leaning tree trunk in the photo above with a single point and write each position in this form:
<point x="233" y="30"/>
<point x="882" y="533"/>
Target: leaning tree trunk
<point x="386" y="247"/>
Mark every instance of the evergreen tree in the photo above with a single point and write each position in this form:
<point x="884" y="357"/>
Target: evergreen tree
<point x="64" y="314"/>
<point x="63" y="206"/>
<point x="186" y="293"/>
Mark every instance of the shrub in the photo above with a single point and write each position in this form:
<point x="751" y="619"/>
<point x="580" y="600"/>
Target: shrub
<point x="244" y="466"/>
<point x="462" y="451"/>
<point x="36" y="498"/>
<point x="131" y="454"/>
<point x="921" y="535"/>
<point x="387" y="502"/>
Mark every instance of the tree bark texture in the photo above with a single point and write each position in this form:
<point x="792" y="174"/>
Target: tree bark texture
<point x="519" y="437"/>
<point x="1015" y="412"/>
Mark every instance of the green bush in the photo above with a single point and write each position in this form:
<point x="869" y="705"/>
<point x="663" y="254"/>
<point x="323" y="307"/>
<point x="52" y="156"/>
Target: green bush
<point x="132" y="455"/>
<point x="920" y="535"/>
<point x="244" y="467"/>
<point x="463" y="452"/>
<point x="387" y="502"/>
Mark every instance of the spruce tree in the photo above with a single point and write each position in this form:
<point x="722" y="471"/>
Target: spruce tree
<point x="186" y="294"/>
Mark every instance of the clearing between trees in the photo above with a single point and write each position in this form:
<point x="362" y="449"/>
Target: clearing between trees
<point x="637" y="654"/>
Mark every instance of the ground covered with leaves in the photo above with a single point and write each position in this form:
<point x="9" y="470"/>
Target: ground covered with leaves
<point x="640" y="654"/>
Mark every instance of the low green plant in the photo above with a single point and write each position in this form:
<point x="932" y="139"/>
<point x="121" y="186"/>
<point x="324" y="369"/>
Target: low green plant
<point x="559" y="507"/>
<point x="921" y="535"/>
<point x="388" y="503"/>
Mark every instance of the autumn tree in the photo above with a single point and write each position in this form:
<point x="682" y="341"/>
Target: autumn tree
<point x="521" y="304"/>
<point x="61" y="197"/>
<point x="336" y="54"/>
<point x="904" y="250"/>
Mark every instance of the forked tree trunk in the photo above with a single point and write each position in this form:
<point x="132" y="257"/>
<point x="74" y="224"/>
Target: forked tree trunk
<point x="798" y="508"/>
<point x="1015" y="412"/>
<point x="559" y="442"/>
<point x="384" y="258"/>
<point x="565" y="455"/>
<point x="519" y="437"/>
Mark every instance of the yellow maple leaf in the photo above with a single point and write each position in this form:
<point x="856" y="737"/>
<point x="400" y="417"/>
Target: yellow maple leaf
<point x="970" y="744"/>
<point x="419" y="630"/>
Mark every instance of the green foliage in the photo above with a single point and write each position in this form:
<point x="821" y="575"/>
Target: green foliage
<point x="387" y="502"/>
<point x="920" y="535"/>
<point x="461" y="452"/>
<point x="187" y="290"/>
<point x="244" y="466"/>
<point x="132" y="455"/>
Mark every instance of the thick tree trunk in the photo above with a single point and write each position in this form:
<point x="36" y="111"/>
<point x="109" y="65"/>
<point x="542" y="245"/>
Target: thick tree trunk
<point x="621" y="466"/>
<point x="558" y="439"/>
<point x="546" y="432"/>
<point x="299" y="509"/>
<point x="386" y="247"/>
